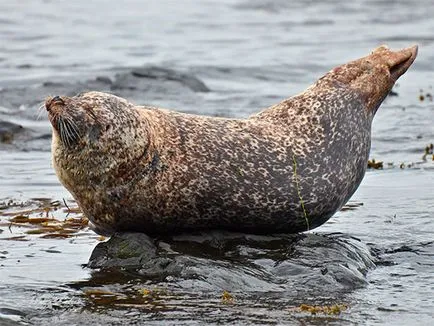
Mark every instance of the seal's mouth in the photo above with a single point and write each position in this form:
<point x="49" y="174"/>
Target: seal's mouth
<point x="401" y="60"/>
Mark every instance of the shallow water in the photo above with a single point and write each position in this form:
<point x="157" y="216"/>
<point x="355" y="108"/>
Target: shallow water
<point x="250" y="54"/>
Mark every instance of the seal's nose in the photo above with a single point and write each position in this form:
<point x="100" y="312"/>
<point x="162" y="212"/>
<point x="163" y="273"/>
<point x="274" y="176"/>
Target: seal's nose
<point x="401" y="60"/>
<point x="57" y="100"/>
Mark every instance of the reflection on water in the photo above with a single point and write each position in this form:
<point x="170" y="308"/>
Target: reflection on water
<point x="250" y="54"/>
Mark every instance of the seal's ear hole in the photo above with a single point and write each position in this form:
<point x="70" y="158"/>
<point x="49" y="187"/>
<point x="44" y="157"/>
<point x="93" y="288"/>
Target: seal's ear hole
<point x="108" y="127"/>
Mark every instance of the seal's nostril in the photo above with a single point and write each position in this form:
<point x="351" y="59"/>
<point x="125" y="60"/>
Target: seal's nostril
<point x="57" y="100"/>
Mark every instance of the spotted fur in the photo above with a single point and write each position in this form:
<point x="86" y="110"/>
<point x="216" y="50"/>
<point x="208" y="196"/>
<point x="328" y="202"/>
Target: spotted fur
<point x="287" y="169"/>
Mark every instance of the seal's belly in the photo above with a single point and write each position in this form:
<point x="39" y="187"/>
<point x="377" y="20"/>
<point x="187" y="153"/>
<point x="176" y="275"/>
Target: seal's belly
<point x="238" y="182"/>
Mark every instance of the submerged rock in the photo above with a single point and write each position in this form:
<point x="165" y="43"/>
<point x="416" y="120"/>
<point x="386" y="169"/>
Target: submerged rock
<point x="123" y="250"/>
<point x="190" y="81"/>
<point x="240" y="262"/>
<point x="157" y="82"/>
<point x="8" y="131"/>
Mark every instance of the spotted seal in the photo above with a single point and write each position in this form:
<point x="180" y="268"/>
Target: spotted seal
<point x="286" y="169"/>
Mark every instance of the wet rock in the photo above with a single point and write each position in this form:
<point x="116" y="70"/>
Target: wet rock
<point x="8" y="131"/>
<point x="239" y="262"/>
<point x="25" y="66"/>
<point x="50" y="84"/>
<point x="158" y="81"/>
<point x="104" y="80"/>
<point x="124" y="249"/>
<point x="190" y="81"/>
<point x="393" y="93"/>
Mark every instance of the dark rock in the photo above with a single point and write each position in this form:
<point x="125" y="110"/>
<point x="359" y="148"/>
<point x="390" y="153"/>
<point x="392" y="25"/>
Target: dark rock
<point x="8" y="131"/>
<point x="240" y="262"/>
<point x="52" y="84"/>
<point x="127" y="83"/>
<point x="123" y="249"/>
<point x="104" y="80"/>
<point x="25" y="66"/>
<point x="190" y="81"/>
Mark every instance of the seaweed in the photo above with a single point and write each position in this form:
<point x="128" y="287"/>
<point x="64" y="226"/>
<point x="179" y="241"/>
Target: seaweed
<point x="40" y="221"/>
<point x="335" y="309"/>
<point x="429" y="150"/>
<point x="425" y="96"/>
<point x="372" y="164"/>
<point x="297" y="185"/>
<point x="227" y="298"/>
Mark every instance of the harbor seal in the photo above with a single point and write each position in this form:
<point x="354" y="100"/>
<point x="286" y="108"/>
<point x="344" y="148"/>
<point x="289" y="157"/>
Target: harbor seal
<point x="287" y="169"/>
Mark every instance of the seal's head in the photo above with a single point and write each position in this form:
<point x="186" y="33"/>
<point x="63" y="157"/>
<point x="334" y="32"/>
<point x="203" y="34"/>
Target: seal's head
<point x="95" y="135"/>
<point x="373" y="76"/>
<point x="85" y="119"/>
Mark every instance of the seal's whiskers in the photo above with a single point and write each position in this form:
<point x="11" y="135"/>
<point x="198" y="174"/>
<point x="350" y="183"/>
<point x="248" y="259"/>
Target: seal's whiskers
<point x="40" y="111"/>
<point x="70" y="132"/>
<point x="64" y="132"/>
<point x="74" y="129"/>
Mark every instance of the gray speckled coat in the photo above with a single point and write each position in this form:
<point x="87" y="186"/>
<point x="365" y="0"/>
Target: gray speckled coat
<point x="287" y="169"/>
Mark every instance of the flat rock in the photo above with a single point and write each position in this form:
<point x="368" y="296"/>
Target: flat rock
<point x="240" y="262"/>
